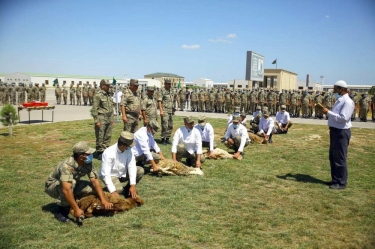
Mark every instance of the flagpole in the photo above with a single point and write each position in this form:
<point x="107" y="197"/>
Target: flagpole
<point x="276" y="63"/>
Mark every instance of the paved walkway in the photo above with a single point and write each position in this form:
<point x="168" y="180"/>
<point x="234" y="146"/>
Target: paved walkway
<point x="70" y="113"/>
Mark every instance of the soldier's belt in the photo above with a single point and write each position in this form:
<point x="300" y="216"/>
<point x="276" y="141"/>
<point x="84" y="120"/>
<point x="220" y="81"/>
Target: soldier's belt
<point x="134" y="114"/>
<point x="106" y="114"/>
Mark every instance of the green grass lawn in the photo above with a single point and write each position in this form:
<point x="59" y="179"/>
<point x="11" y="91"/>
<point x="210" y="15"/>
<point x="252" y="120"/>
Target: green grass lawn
<point x="274" y="198"/>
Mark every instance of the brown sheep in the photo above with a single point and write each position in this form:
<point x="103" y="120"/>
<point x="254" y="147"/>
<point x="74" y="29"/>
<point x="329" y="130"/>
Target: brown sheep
<point x="92" y="206"/>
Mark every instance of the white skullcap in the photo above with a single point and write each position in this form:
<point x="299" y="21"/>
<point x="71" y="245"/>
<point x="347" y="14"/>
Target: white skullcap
<point x="341" y="83"/>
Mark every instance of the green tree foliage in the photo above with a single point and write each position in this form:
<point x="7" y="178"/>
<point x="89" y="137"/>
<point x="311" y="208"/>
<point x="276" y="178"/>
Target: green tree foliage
<point x="8" y="115"/>
<point x="372" y="90"/>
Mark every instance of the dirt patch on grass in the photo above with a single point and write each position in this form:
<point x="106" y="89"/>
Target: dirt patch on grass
<point x="314" y="137"/>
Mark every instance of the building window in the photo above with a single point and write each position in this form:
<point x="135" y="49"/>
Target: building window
<point x="230" y="85"/>
<point x="239" y="86"/>
<point x="46" y="81"/>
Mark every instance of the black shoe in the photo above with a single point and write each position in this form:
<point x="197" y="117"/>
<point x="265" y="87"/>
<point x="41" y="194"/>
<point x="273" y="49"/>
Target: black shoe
<point x="270" y="141"/>
<point x="62" y="214"/>
<point x="337" y="186"/>
<point x="167" y="141"/>
<point x="188" y="162"/>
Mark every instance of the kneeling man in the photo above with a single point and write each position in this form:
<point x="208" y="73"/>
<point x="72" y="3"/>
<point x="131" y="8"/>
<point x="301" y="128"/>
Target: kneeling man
<point x="283" y="121"/>
<point x="187" y="142"/>
<point x="236" y="137"/>
<point x="146" y="150"/>
<point x="118" y="166"/>
<point x="207" y="133"/>
<point x="266" y="126"/>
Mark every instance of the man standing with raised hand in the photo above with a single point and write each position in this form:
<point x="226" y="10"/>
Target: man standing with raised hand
<point x="339" y="122"/>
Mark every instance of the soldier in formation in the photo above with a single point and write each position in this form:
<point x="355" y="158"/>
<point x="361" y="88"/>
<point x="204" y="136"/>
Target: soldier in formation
<point x="166" y="103"/>
<point x="131" y="107"/>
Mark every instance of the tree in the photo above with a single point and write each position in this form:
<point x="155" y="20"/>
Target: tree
<point x="372" y="90"/>
<point x="9" y="117"/>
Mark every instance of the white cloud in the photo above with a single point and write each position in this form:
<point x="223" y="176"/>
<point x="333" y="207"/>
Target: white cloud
<point x="219" y="40"/>
<point x="196" y="46"/>
<point x="327" y="16"/>
<point x="232" y="36"/>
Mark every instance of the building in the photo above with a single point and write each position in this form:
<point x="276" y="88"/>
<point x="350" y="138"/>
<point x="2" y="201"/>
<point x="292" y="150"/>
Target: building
<point x="48" y="79"/>
<point x="176" y="79"/>
<point x="312" y="86"/>
<point x="279" y="79"/>
<point x="203" y="83"/>
<point x="239" y="84"/>
<point x="354" y="88"/>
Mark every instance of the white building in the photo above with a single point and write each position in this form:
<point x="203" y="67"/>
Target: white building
<point x="354" y="88"/>
<point x="204" y="83"/>
<point x="48" y="79"/>
<point x="239" y="84"/>
<point x="313" y="86"/>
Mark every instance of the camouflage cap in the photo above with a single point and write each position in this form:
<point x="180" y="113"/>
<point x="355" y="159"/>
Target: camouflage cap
<point x="134" y="82"/>
<point x="83" y="147"/>
<point x="154" y="125"/>
<point x="167" y="81"/>
<point x="258" y="107"/>
<point x="202" y="119"/>
<point x="126" y="138"/>
<point x="237" y="109"/>
<point x="266" y="113"/>
<point x="188" y="120"/>
<point x="150" y="88"/>
<point x="283" y="107"/>
<point x="243" y="114"/>
<point x="236" y="119"/>
<point x="104" y="82"/>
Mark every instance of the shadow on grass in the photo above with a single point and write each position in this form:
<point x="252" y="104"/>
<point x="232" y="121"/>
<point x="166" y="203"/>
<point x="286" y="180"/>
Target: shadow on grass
<point x="5" y="134"/>
<point x="51" y="207"/>
<point x="34" y="121"/>
<point x="302" y="178"/>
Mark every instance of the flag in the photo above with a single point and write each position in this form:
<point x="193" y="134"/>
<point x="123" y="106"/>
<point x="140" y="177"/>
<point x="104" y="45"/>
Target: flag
<point x="114" y="81"/>
<point x="274" y="62"/>
<point x="55" y="82"/>
<point x="179" y="84"/>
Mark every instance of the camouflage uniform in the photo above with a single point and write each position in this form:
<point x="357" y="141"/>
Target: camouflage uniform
<point x="243" y="106"/>
<point x="149" y="107"/>
<point x="363" y="105"/>
<point x="13" y="95"/>
<point x="167" y="100"/>
<point x="65" y="95"/>
<point x="373" y="108"/>
<point x="72" y="94"/>
<point x="271" y="102"/>
<point x="102" y="112"/>
<point x="194" y="101"/>
<point x="79" y="95"/>
<point x="211" y="101"/>
<point x="293" y="104"/>
<point x="228" y="101"/>
<point x="91" y="94"/>
<point x="132" y="103"/>
<point x="29" y="93"/>
<point x="35" y="90"/>
<point x="305" y="104"/>
<point x="261" y="97"/>
<point x="85" y="94"/>
<point x="182" y="95"/>
<point x="58" y="94"/>
<point x="201" y="99"/>
<point x="69" y="171"/>
<point x="42" y="92"/>
<point x="2" y="93"/>
<point x="318" y="111"/>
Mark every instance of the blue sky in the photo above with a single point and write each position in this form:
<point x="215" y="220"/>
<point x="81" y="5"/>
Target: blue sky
<point x="194" y="39"/>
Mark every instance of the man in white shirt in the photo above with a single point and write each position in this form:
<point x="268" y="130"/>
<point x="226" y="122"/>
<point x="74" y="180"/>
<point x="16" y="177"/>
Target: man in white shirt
<point x="339" y="122"/>
<point x="146" y="150"/>
<point x="266" y="125"/>
<point x="118" y="166"/>
<point x="187" y="142"/>
<point x="207" y="133"/>
<point x="283" y="121"/>
<point x="236" y="137"/>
